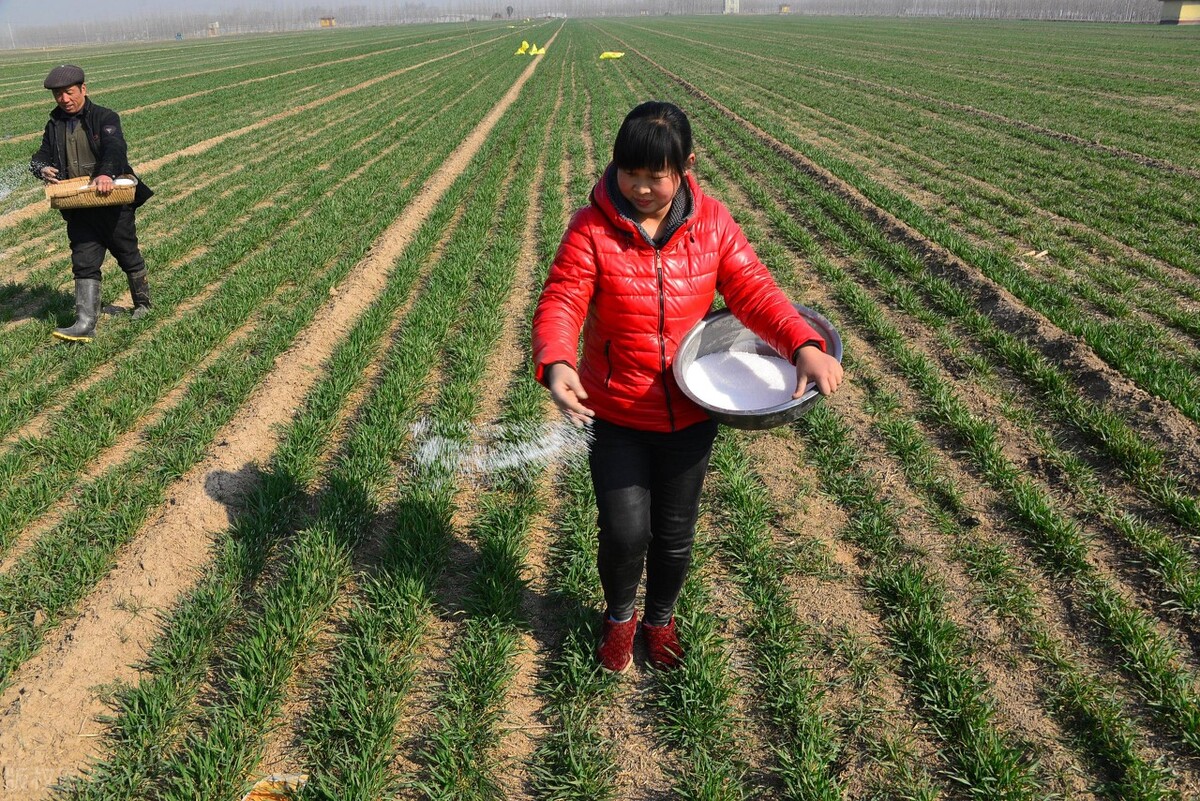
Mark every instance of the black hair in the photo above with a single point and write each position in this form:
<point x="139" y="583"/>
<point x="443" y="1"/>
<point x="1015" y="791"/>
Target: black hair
<point x="654" y="135"/>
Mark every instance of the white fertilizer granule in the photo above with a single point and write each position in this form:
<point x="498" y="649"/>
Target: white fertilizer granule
<point x="10" y="178"/>
<point x="741" y="382"/>
<point x="479" y="453"/>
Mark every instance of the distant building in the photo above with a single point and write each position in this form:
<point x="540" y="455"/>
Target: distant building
<point x="733" y="6"/>
<point x="785" y="9"/>
<point x="328" y="22"/>
<point x="1180" y="12"/>
<point x="214" y="28"/>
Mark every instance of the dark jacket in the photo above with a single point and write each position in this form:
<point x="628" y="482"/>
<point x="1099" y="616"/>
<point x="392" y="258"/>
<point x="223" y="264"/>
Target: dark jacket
<point x="103" y="129"/>
<point x="634" y="302"/>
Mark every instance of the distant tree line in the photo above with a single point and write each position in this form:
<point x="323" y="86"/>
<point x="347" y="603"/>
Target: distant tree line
<point x="188" y="25"/>
<point x="1095" y="10"/>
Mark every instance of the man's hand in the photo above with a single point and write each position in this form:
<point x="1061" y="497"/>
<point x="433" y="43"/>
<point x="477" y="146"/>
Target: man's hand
<point x="813" y="364"/>
<point x="49" y="174"/>
<point x="563" y="383"/>
<point x="103" y="184"/>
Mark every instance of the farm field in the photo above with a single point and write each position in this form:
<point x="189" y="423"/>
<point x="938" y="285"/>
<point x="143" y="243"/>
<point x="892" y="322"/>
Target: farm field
<point x="298" y="520"/>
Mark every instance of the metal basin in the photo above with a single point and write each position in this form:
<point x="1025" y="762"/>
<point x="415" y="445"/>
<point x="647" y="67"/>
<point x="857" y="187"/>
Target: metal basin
<point x="721" y="331"/>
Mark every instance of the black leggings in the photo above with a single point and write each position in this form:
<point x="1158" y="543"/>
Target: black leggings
<point x="648" y="495"/>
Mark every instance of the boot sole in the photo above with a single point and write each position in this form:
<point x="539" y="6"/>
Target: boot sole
<point x="70" y="338"/>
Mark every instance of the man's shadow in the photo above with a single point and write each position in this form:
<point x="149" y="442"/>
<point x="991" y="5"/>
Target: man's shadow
<point x="19" y="302"/>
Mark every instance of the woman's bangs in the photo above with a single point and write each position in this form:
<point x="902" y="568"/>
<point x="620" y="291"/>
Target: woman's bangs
<point x="647" y="145"/>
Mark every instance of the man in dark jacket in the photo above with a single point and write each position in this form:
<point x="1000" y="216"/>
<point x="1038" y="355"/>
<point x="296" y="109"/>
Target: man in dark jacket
<point x="84" y="139"/>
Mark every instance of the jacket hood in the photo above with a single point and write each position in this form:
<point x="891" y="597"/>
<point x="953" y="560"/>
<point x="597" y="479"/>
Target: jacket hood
<point x="610" y="206"/>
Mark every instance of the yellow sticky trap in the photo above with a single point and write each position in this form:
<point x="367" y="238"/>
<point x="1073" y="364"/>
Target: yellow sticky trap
<point x="611" y="54"/>
<point x="279" y="787"/>
<point x="522" y="49"/>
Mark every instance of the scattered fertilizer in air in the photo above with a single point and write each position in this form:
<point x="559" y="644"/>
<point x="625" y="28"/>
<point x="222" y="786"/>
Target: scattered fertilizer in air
<point x="740" y="381"/>
<point x="478" y="453"/>
<point x="10" y="178"/>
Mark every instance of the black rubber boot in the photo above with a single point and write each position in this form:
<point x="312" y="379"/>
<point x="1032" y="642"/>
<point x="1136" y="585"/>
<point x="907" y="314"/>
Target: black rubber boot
<point x="87" y="310"/>
<point x="139" y="292"/>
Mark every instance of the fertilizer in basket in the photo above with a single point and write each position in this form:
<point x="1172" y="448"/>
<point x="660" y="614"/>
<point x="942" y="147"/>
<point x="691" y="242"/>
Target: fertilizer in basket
<point x="741" y="381"/>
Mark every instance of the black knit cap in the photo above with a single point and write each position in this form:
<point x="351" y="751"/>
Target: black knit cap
<point x="63" y="76"/>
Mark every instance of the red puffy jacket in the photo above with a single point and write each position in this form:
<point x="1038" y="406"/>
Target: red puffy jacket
<point x="634" y="304"/>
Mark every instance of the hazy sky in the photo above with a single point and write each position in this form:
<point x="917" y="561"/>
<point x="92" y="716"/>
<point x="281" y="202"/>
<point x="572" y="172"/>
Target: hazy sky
<point x="45" y="12"/>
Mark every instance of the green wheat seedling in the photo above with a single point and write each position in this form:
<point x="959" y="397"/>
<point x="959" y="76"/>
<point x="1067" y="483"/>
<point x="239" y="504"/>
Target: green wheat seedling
<point x="1171" y="561"/>
<point x="694" y="703"/>
<point x="1086" y="705"/>
<point x="575" y="760"/>
<point x="460" y="758"/>
<point x="1168" y="689"/>
<point x="86" y="427"/>
<point x="951" y="696"/>
<point x="113" y="506"/>
<point x="1080" y="195"/>
<point x="151" y="714"/>
<point x="1011" y="215"/>
<point x="218" y="756"/>
<point x="1142" y="462"/>
<point x="873" y="527"/>
<point x="807" y="750"/>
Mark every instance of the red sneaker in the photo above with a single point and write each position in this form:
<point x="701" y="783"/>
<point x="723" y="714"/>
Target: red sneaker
<point x="662" y="645"/>
<point x="616" y="644"/>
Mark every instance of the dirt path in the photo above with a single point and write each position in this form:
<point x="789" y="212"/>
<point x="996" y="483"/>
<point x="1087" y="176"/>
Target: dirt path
<point x="48" y="722"/>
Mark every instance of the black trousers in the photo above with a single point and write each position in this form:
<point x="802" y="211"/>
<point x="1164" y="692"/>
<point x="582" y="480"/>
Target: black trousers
<point x="648" y="496"/>
<point x="94" y="231"/>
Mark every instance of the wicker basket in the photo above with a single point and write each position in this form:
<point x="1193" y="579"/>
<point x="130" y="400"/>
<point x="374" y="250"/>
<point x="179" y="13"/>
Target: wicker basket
<point x="77" y="193"/>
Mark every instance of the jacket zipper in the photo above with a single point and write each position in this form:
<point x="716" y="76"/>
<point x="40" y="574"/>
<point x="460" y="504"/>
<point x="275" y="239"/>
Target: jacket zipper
<point x="662" y="337"/>
<point x="608" y="362"/>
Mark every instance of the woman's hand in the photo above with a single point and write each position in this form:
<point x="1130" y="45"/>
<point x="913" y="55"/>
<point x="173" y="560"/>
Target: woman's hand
<point x="563" y="383"/>
<point x="814" y="364"/>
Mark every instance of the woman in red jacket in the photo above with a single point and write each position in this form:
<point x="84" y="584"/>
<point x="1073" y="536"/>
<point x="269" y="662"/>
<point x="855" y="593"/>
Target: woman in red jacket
<point x="636" y="269"/>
